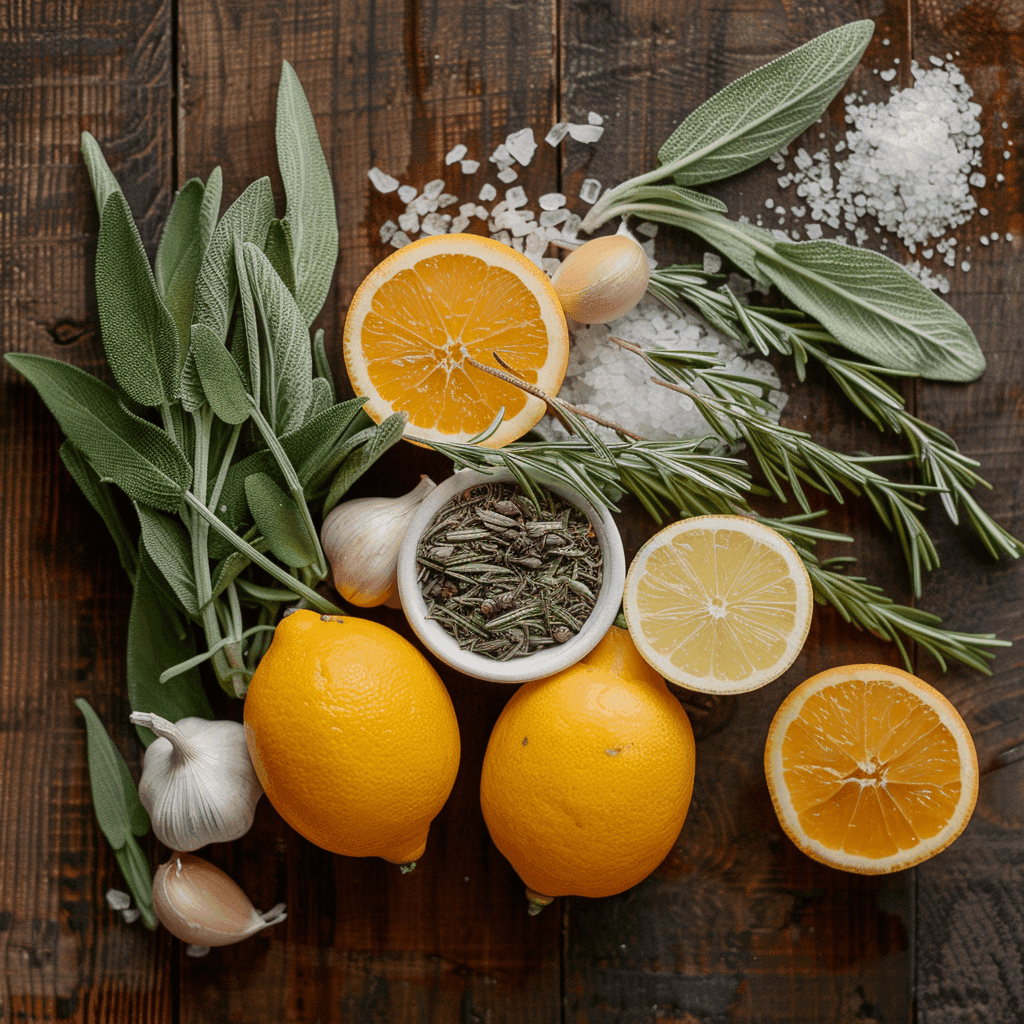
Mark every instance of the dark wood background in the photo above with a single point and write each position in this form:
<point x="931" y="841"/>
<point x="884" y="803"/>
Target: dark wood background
<point x="736" y="925"/>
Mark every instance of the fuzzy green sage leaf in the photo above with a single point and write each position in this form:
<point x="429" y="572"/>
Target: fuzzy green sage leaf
<point x="103" y="180"/>
<point x="178" y="257"/>
<point x="219" y="377"/>
<point x="279" y="520"/>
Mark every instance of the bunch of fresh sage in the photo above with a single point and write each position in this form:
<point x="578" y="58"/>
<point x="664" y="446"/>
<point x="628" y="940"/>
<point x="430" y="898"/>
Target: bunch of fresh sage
<point x="222" y="430"/>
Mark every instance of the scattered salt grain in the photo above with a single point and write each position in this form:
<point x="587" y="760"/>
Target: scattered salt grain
<point x="1008" y="236"/>
<point x="382" y="182"/>
<point x="712" y="263"/>
<point x="888" y="76"/>
<point x="983" y="239"/>
<point x="118" y="900"/>
<point x="571" y="227"/>
<point x="488" y="192"/>
<point x="983" y="211"/>
<point x="645" y="227"/>
<point x="132" y="915"/>
<point x="551" y="201"/>
<point x="585" y="132"/>
<point x="422" y="205"/>
<point x="501" y="155"/>
<point x="460" y="223"/>
<point x="885" y="42"/>
<point x="549" y="218"/>
<point x="516" y="197"/>
<point x="521" y="146"/>
<point x="994" y="236"/>
<point x="407" y="193"/>
<point x="507" y="175"/>
<point x="590" y="190"/>
<point x="467" y="209"/>
<point x="434" y="188"/>
<point x="557" y="133"/>
<point x="399" y="239"/>
<point x="481" y="212"/>
<point x="965" y="266"/>
<point x="453" y="156"/>
<point x="387" y="230"/>
<point x="409" y="223"/>
<point x="469" y="166"/>
<point x="446" y="199"/>
<point x="1006" y="154"/>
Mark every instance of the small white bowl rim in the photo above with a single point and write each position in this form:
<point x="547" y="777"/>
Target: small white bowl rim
<point x="542" y="663"/>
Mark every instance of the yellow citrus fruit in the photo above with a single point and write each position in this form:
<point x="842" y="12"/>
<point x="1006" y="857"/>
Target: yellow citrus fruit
<point x="353" y="736"/>
<point x="719" y="604"/>
<point x="433" y="305"/>
<point x="587" y="780"/>
<point x="616" y="653"/>
<point x="870" y="769"/>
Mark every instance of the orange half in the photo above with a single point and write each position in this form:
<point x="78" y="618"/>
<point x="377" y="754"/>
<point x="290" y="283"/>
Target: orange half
<point x="431" y="307"/>
<point x="871" y="770"/>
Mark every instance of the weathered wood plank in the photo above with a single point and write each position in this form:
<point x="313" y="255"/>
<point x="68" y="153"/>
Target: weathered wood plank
<point x="394" y="85"/>
<point x="970" y="928"/>
<point x="736" y="924"/>
<point x="106" y="68"/>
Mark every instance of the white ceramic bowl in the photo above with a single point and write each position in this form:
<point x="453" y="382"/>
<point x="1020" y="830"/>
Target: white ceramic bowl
<point x="532" y="666"/>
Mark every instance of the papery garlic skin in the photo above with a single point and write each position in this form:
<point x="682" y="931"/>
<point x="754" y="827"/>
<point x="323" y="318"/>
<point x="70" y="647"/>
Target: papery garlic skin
<point x="198" y="783"/>
<point x="201" y="905"/>
<point x="603" y="279"/>
<point x="361" y="539"/>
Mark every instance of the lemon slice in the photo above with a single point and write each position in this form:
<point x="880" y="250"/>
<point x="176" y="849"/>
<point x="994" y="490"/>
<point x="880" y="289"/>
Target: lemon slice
<point x="420" y="319"/>
<point x="870" y="769"/>
<point x="719" y="604"/>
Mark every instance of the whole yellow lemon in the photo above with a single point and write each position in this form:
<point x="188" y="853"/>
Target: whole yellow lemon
<point x="353" y="736"/>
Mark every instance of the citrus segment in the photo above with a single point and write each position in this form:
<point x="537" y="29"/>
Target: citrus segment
<point x="870" y="769"/>
<point x="720" y="604"/>
<point x="427" y="310"/>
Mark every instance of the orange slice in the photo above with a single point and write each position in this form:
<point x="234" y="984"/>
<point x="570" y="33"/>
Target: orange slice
<point x="720" y="604"/>
<point x="433" y="305"/>
<point x="870" y="769"/>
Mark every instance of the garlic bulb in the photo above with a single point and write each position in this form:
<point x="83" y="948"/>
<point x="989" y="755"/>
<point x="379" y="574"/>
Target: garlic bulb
<point x="198" y="782"/>
<point x="361" y="539"/>
<point x="199" y="904"/>
<point x="603" y="279"/>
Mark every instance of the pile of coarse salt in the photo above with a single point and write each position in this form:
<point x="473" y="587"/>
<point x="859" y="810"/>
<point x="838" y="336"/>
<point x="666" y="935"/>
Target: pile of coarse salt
<point x="911" y="165"/>
<point x="602" y="377"/>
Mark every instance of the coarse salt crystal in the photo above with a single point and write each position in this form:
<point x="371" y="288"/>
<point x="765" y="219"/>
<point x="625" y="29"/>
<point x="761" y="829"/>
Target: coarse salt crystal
<point x="712" y="263"/>
<point x="407" y="193"/>
<point x="549" y="218"/>
<point x="501" y="155"/>
<point x="382" y="182"/>
<point x="585" y="132"/>
<point x="400" y="239"/>
<point x="469" y="166"/>
<point x="481" y="212"/>
<point x="1009" y="236"/>
<point x="557" y="133"/>
<point x="434" y="224"/>
<point x="459" y="223"/>
<point x="467" y="209"/>
<point x="507" y="175"/>
<point x="590" y="190"/>
<point x="983" y="239"/>
<point x="888" y="76"/>
<point x="516" y="197"/>
<point x="409" y="223"/>
<point x="434" y="188"/>
<point x="645" y="227"/>
<point x="488" y="192"/>
<point x="118" y="900"/>
<point x="571" y="227"/>
<point x="521" y="146"/>
<point x="422" y="205"/>
<point x="387" y="229"/>
<point x="551" y="201"/>
<point x="453" y="156"/>
<point x="550" y="264"/>
<point x="994" y="236"/>
<point x="1006" y="154"/>
<point x="594" y="118"/>
<point x="965" y="266"/>
<point x="446" y="199"/>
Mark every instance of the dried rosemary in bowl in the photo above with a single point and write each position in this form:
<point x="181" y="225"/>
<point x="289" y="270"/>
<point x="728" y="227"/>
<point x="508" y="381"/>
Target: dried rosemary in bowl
<point x="507" y="577"/>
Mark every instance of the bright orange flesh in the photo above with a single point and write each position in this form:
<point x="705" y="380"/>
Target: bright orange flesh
<point x="870" y="768"/>
<point x="422" y="315"/>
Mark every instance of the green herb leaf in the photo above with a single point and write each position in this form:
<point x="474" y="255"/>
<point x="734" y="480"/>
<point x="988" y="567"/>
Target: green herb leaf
<point x="247" y="218"/>
<point x="876" y="309"/>
<point x="123" y="449"/>
<point x="321" y="363"/>
<point x="765" y="109"/>
<point x="678" y="195"/>
<point x="178" y="257"/>
<point x="219" y="376"/>
<point x="156" y="641"/>
<point x="102" y="500"/>
<point x="119" y="811"/>
<point x="103" y="181"/>
<point x="287" y="364"/>
<point x="140" y="336"/>
<point x="245" y="345"/>
<point x="323" y="399"/>
<point x="387" y="434"/>
<point x="281" y="252"/>
<point x="310" y="195"/>
<point x="169" y="545"/>
<point x="210" y="209"/>
<point x="279" y="520"/>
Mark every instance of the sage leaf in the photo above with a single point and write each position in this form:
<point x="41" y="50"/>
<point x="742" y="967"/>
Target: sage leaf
<point x="281" y="252"/>
<point x="247" y="218"/>
<point x="309" y="193"/>
<point x="764" y="110"/>
<point x="123" y="448"/>
<point x="323" y="398"/>
<point x="156" y="641"/>
<point x="219" y="377"/>
<point x="245" y="349"/>
<point x="321" y="363"/>
<point x="287" y="363"/>
<point x="135" y="868"/>
<point x="674" y="194"/>
<point x="103" y="180"/>
<point x="875" y="308"/>
<point x="102" y="500"/>
<point x="178" y="257"/>
<point x="139" y="334"/>
<point x="209" y="211"/>
<point x="387" y="434"/>
<point x="169" y="545"/>
<point x="279" y="520"/>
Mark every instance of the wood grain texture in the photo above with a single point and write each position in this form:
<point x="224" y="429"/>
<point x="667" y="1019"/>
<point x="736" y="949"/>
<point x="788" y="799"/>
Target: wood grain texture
<point x="105" y="68"/>
<point x="393" y="85"/>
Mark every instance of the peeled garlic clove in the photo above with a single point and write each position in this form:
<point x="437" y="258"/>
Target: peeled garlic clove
<point x="199" y="904"/>
<point x="603" y="279"/>
<point x="198" y="783"/>
<point x="361" y="539"/>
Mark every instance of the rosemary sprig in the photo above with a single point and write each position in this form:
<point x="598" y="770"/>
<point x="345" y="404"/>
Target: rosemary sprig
<point x="944" y="468"/>
<point x="695" y="477"/>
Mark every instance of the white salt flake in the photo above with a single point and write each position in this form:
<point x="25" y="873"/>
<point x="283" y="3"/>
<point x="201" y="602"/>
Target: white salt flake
<point x="507" y="175"/>
<point x="467" y="209"/>
<point x="446" y="199"/>
<point x="459" y="223"/>
<point x="481" y="212"/>
<point x="434" y="188"/>
<point x="407" y="193"/>
<point x="132" y="915"/>
<point x="557" y="133"/>
<point x="382" y="182"/>
<point x="503" y="236"/>
<point x="983" y="239"/>
<point x="983" y="211"/>
<point x="712" y="263"/>
<point x="994" y="236"/>
<point x="453" y="156"/>
<point x="551" y="201"/>
<point x="536" y="243"/>
<point x="965" y="266"/>
<point x="549" y="218"/>
<point x="469" y="166"/>
<point x="501" y="155"/>
<point x="516" y="197"/>
<point x="937" y="61"/>
<point x="1008" y="236"/>
<point x="888" y="76"/>
<point x="1006" y="154"/>
<point x="422" y="205"/>
<point x="400" y="239"/>
<point x="409" y="223"/>
<point x="645" y="227"/>
<point x="521" y="146"/>
<point x="571" y="227"/>
<point x="118" y="900"/>
<point x="594" y="118"/>
<point x="550" y="264"/>
<point x="387" y="229"/>
<point x="585" y="132"/>
<point x="488" y="192"/>
<point x="590" y="190"/>
<point x="434" y="224"/>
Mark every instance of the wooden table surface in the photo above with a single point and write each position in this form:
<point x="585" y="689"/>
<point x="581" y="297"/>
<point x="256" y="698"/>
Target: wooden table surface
<point x="736" y="925"/>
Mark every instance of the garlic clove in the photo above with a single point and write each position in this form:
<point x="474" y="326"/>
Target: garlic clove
<point x="603" y="279"/>
<point x="198" y="783"/>
<point x="361" y="539"/>
<point x="201" y="905"/>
